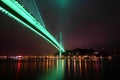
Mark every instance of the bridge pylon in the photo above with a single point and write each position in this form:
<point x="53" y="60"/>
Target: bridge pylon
<point x="60" y="51"/>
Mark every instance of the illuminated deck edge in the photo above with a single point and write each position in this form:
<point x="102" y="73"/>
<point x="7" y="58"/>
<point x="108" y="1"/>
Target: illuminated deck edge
<point x="20" y="14"/>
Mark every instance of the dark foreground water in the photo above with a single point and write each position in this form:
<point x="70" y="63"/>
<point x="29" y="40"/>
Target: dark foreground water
<point x="65" y="69"/>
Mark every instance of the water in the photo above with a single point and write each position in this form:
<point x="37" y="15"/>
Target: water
<point x="54" y="69"/>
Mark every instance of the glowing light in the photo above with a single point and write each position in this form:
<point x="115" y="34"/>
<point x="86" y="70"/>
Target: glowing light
<point x="62" y="3"/>
<point x="53" y="72"/>
<point x="19" y="56"/>
<point x="21" y="12"/>
<point x="17" y="19"/>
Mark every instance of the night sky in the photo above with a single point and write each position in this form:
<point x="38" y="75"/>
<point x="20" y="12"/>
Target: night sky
<point x="84" y="24"/>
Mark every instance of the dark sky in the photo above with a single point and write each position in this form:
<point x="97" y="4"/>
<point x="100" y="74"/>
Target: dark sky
<point x="84" y="24"/>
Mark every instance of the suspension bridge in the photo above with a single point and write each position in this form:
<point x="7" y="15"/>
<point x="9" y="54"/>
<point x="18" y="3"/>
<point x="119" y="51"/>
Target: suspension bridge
<point x="27" y="13"/>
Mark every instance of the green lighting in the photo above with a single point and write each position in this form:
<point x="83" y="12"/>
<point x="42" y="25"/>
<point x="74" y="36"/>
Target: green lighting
<point x="9" y="14"/>
<point x="54" y="73"/>
<point x="14" y="5"/>
<point x="62" y="3"/>
<point x="60" y="52"/>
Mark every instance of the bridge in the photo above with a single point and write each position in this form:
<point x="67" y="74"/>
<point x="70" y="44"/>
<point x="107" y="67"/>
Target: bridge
<point x="21" y="13"/>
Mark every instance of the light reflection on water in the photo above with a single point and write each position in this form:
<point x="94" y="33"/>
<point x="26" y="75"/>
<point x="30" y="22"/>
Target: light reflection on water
<point x="54" y="73"/>
<point x="56" y="69"/>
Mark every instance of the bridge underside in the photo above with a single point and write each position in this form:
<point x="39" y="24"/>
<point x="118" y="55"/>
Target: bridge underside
<point x="16" y="11"/>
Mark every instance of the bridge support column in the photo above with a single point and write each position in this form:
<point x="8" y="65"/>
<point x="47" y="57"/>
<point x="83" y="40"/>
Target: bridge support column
<point x="60" y="51"/>
<point x="60" y="54"/>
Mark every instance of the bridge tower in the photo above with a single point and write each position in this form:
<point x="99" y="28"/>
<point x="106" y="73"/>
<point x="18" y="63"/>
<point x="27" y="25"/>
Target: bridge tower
<point x="61" y="44"/>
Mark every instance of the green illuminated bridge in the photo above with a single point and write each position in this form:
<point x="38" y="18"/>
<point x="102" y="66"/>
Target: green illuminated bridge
<point x="17" y="10"/>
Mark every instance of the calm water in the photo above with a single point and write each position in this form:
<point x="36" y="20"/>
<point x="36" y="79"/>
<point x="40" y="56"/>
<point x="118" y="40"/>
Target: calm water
<point x="69" y="69"/>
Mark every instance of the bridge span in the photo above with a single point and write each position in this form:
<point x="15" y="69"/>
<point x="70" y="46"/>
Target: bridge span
<point x="18" y="12"/>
